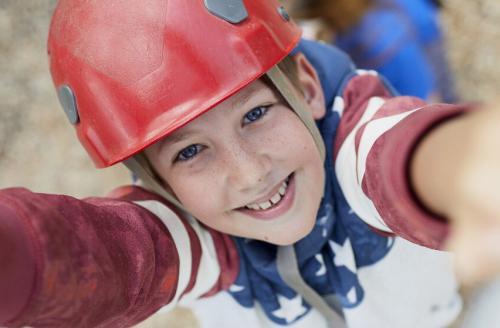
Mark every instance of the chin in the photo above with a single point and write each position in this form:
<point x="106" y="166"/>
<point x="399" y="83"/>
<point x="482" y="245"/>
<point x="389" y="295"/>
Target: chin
<point x="292" y="235"/>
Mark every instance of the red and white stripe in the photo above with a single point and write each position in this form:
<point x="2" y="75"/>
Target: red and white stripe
<point x="350" y="168"/>
<point x="208" y="267"/>
<point x="373" y="147"/>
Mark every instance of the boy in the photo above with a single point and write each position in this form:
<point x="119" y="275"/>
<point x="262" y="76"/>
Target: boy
<point x="211" y="138"/>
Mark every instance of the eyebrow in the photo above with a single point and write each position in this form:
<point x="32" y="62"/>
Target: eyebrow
<point x="245" y="98"/>
<point x="175" y="138"/>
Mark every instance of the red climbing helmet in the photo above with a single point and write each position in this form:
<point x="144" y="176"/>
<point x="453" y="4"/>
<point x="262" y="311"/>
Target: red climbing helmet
<point x="130" y="72"/>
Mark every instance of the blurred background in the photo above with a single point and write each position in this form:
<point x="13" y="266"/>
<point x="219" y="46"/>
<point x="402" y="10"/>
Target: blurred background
<point x="39" y="150"/>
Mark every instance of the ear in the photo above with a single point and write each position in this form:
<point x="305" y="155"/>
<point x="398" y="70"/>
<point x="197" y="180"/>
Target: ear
<point x="311" y="86"/>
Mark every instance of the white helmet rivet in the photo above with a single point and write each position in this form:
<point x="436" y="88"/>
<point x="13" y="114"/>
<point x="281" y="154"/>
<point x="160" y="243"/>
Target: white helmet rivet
<point x="233" y="11"/>
<point x="283" y="13"/>
<point x="68" y="103"/>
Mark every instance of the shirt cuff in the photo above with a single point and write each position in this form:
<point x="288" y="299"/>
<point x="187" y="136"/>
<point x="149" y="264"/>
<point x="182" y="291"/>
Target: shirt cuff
<point x="391" y="190"/>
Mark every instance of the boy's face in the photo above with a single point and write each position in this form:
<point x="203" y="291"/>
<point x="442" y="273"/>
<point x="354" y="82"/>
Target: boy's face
<point x="249" y="167"/>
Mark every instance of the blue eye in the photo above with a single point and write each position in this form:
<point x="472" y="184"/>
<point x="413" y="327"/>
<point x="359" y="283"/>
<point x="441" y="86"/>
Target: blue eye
<point x="255" y="114"/>
<point x="188" y="153"/>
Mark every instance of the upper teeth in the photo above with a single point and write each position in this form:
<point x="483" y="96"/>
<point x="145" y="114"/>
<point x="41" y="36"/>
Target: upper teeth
<point x="273" y="200"/>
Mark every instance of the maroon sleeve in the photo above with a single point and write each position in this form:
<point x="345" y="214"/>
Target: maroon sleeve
<point x="98" y="262"/>
<point x="387" y="181"/>
<point x="17" y="264"/>
<point x="375" y="141"/>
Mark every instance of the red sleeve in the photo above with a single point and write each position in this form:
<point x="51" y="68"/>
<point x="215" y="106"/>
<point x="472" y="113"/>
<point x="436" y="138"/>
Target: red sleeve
<point x="17" y="262"/>
<point x="96" y="262"/>
<point x="386" y="181"/>
<point x="376" y="139"/>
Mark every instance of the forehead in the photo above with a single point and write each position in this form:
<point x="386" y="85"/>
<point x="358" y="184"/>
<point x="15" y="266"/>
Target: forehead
<point x="260" y="87"/>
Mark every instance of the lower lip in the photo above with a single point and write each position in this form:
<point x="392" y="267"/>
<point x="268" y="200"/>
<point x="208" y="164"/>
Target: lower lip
<point x="276" y="211"/>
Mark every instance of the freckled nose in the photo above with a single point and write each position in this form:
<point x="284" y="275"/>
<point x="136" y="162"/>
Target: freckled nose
<point x="247" y="167"/>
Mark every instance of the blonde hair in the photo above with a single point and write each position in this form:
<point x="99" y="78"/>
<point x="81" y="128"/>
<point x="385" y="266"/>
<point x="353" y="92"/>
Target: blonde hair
<point x="289" y="67"/>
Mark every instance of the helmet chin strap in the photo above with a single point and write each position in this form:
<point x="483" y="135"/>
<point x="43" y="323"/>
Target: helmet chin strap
<point x="287" y="257"/>
<point x="298" y="105"/>
<point x="140" y="165"/>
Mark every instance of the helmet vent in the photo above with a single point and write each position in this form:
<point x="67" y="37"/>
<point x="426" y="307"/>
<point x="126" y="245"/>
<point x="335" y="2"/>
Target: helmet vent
<point x="233" y="11"/>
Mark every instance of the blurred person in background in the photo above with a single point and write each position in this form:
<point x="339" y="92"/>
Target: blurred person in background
<point x="400" y="39"/>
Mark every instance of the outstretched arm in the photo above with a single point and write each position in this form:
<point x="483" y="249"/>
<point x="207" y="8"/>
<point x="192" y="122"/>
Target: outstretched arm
<point x="99" y="261"/>
<point x="17" y="263"/>
<point x="374" y="145"/>
<point x="456" y="173"/>
<point x="427" y="173"/>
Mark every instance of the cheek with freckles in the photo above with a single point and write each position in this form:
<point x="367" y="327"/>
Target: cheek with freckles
<point x="209" y="195"/>
<point x="200" y="196"/>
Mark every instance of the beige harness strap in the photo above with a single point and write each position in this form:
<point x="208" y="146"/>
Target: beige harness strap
<point x="286" y="258"/>
<point x="140" y="166"/>
<point x="288" y="269"/>
<point x="298" y="105"/>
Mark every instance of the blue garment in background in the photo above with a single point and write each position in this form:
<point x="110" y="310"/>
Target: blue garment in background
<point x="401" y="39"/>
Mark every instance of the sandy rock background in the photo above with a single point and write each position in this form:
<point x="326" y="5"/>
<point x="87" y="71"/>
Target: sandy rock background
<point x="472" y="29"/>
<point x="39" y="150"/>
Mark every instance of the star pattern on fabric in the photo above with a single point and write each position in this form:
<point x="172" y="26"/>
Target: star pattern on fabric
<point x="351" y="295"/>
<point x="343" y="255"/>
<point x="290" y="309"/>
<point x="366" y="72"/>
<point x="236" y="288"/>
<point x="322" y="221"/>
<point x="260" y="285"/>
<point x="322" y="269"/>
<point x="338" y="105"/>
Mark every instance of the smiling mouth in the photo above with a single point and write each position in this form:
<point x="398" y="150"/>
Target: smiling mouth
<point x="271" y="202"/>
<point x="277" y="205"/>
